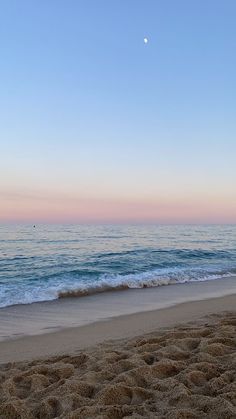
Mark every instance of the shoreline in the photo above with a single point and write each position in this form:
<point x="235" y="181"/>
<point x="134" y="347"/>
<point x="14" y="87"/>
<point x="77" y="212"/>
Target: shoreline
<point x="73" y="294"/>
<point x="73" y="339"/>
<point x="44" y="317"/>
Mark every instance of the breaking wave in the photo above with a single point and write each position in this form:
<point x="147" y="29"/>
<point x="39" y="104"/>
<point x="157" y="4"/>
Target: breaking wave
<point x="141" y="281"/>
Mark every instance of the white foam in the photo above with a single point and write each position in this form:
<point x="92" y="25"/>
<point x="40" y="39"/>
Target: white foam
<point x="42" y="290"/>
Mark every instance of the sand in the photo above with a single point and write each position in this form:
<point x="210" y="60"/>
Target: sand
<point x="179" y="370"/>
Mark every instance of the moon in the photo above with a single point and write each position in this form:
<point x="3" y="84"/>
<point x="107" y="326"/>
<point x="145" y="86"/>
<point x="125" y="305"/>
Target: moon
<point x="145" y="40"/>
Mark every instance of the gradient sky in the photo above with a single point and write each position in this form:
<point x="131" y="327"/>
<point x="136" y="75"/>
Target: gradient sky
<point x="96" y="126"/>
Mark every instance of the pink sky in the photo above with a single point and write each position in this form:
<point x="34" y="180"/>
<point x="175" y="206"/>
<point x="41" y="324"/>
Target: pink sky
<point x="65" y="208"/>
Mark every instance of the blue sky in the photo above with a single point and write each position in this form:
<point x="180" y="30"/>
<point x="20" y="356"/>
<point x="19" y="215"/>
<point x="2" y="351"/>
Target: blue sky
<point x="95" y="123"/>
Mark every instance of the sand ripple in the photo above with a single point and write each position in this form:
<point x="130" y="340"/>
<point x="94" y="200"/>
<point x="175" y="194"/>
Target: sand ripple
<point x="185" y="373"/>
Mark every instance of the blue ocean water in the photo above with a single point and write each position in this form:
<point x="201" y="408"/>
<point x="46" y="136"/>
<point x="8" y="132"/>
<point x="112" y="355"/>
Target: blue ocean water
<point x="41" y="263"/>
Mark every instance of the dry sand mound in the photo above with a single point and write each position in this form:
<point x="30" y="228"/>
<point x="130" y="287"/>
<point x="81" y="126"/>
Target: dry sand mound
<point x="184" y="373"/>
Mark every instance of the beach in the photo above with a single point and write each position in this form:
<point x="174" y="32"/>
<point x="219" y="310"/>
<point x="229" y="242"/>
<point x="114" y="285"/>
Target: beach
<point x="116" y="322"/>
<point x="173" y="362"/>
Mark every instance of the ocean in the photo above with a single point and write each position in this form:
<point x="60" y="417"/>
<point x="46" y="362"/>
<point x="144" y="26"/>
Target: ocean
<point x="47" y="262"/>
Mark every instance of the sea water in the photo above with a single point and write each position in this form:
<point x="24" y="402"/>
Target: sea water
<point x="46" y="262"/>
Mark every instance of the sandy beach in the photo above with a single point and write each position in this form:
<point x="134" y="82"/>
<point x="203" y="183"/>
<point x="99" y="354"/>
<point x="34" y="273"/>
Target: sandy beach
<point x="174" y="362"/>
<point x="117" y="210"/>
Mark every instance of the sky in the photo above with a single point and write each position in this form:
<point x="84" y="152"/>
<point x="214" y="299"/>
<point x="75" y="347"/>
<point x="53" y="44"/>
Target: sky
<point x="98" y="126"/>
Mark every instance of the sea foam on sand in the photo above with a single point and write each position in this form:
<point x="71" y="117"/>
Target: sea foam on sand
<point x="185" y="372"/>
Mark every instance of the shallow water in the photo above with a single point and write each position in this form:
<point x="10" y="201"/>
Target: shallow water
<point x="38" y="264"/>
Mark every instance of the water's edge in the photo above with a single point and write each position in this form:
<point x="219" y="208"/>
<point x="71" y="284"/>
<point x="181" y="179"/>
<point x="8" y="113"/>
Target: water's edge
<point x="44" y="317"/>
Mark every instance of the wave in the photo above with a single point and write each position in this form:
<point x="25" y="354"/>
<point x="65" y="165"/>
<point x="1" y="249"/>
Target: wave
<point x="81" y="283"/>
<point x="185" y="253"/>
<point x="92" y="290"/>
<point x="67" y="286"/>
<point x="141" y="281"/>
<point x="83" y="292"/>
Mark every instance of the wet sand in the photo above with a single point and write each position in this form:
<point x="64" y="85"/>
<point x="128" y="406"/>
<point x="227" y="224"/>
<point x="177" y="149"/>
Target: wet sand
<point x="68" y="340"/>
<point x="46" y="317"/>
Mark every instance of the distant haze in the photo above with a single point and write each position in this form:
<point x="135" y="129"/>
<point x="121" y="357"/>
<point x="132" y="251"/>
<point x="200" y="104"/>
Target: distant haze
<point x="97" y="126"/>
